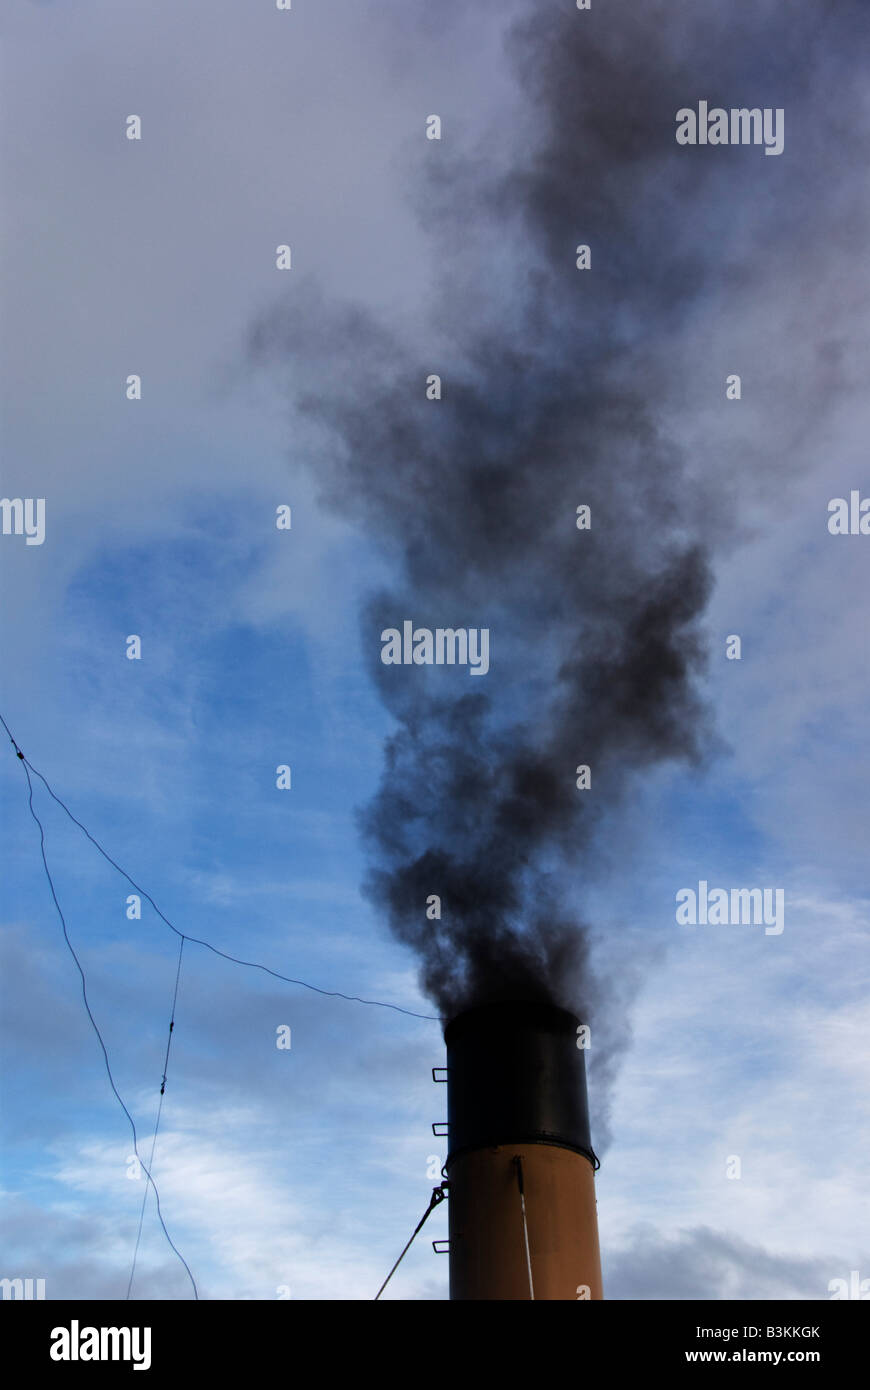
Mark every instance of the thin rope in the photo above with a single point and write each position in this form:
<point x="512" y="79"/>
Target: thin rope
<point x="93" y="1021"/>
<point x="198" y="941"/>
<point x="159" y="1111"/>
<point x="519" y="1163"/>
<point x="438" y="1195"/>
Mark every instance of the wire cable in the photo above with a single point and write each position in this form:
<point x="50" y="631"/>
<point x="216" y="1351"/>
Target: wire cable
<point x="93" y="1021"/>
<point x="519" y="1166"/>
<point x="438" y="1195"/>
<point x="236" y="960"/>
<point x="159" y="1111"/>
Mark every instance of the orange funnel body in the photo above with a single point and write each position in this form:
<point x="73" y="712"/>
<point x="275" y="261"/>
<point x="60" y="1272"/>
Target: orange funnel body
<point x="522" y="1213"/>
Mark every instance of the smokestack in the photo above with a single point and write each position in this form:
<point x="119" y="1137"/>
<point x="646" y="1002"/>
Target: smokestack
<point x="522" y="1214"/>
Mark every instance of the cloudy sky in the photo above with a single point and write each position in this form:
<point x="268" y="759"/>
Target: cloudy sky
<point x="305" y="1170"/>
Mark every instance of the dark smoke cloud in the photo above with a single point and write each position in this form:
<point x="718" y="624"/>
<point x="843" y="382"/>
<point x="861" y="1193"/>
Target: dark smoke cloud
<point x="551" y="383"/>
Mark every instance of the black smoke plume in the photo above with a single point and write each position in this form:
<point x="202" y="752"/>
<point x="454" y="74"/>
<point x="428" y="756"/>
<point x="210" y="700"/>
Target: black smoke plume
<point x="551" y="383"/>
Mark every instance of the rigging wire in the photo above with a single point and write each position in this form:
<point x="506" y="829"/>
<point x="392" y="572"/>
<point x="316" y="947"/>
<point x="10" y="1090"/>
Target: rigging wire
<point x="159" y="1111"/>
<point x="93" y="1021"/>
<point x="438" y="1195"/>
<point x="198" y="941"/>
<point x="519" y="1167"/>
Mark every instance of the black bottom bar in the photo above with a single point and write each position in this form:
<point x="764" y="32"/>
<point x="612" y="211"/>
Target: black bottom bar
<point x="651" y="1339"/>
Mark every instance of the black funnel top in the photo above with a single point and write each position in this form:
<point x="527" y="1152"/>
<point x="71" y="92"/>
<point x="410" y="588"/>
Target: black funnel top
<point x="515" y="1075"/>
